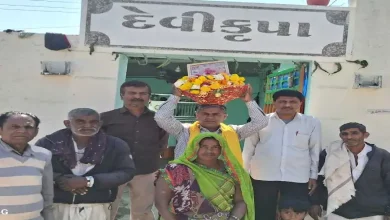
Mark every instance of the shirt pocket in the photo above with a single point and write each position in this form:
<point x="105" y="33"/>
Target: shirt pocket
<point x="301" y="141"/>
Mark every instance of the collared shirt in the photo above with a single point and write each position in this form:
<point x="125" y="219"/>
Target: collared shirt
<point x="166" y="120"/>
<point x="284" y="152"/>
<point x="144" y="137"/>
<point x="362" y="160"/>
<point x="26" y="183"/>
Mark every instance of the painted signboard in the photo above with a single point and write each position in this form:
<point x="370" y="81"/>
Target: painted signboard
<point x="217" y="27"/>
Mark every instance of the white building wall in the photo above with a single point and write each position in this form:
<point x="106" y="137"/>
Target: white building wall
<point x="92" y="83"/>
<point x="332" y="98"/>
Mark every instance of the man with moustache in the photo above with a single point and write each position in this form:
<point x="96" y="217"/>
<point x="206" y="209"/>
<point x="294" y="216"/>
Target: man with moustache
<point x="354" y="181"/>
<point x="134" y="123"/>
<point x="209" y="118"/>
<point x="88" y="167"/>
<point x="282" y="158"/>
<point x="26" y="175"/>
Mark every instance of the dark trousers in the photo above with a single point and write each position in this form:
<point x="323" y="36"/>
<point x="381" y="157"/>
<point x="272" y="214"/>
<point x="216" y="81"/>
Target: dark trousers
<point x="266" y="195"/>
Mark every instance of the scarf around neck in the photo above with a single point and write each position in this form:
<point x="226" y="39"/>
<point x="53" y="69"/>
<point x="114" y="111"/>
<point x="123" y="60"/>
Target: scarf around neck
<point x="338" y="176"/>
<point x="64" y="148"/>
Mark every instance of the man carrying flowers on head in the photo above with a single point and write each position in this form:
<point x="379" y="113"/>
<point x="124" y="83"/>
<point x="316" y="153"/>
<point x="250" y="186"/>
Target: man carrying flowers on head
<point x="211" y="92"/>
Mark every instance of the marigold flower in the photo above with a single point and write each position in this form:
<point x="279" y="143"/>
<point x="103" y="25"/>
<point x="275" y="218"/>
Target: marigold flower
<point x="195" y="92"/>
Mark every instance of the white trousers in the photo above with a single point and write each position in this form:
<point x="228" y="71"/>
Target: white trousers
<point x="337" y="217"/>
<point x="98" y="211"/>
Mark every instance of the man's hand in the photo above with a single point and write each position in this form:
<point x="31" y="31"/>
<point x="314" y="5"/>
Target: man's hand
<point x="71" y="183"/>
<point x="312" y="186"/>
<point x="247" y="96"/>
<point x="176" y="91"/>
<point x="315" y="212"/>
<point x="81" y="191"/>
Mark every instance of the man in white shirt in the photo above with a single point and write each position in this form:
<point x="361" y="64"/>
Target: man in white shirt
<point x="283" y="157"/>
<point x="356" y="176"/>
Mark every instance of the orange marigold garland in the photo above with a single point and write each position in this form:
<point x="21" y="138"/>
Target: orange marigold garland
<point x="215" y="89"/>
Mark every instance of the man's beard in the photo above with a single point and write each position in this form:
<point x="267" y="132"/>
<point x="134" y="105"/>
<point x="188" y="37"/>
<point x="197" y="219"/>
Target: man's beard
<point x="78" y="133"/>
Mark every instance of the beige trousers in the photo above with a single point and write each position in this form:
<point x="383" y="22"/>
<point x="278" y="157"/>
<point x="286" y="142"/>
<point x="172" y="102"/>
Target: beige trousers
<point x="337" y="217"/>
<point x="141" y="190"/>
<point x="81" y="211"/>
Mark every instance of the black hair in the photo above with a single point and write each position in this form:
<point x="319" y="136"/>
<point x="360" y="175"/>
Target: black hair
<point x="298" y="205"/>
<point x="208" y="138"/>
<point x="350" y="125"/>
<point x="200" y="107"/>
<point x="288" y="93"/>
<point x="5" y="116"/>
<point x="134" y="83"/>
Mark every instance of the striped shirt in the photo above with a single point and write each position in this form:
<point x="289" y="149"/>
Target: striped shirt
<point x="26" y="184"/>
<point x="166" y="120"/>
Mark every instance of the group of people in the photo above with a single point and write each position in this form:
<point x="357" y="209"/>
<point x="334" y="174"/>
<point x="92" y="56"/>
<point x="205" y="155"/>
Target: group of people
<point x="80" y="172"/>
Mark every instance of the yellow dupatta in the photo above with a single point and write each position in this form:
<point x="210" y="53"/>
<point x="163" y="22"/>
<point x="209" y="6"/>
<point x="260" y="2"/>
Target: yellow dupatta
<point x="228" y="133"/>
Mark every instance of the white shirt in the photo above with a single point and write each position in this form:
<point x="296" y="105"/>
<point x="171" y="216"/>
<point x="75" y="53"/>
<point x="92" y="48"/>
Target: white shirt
<point x="362" y="161"/>
<point x="284" y="152"/>
<point x="81" y="168"/>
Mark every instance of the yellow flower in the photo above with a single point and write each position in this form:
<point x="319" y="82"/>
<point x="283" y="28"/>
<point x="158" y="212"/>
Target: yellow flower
<point x="226" y="76"/>
<point x="186" y="86"/>
<point x="205" y="89"/>
<point x="197" y="82"/>
<point x="242" y="79"/>
<point x="202" y="78"/>
<point x="234" y="77"/>
<point x="217" y="94"/>
<point x="210" y="77"/>
<point x="215" y="85"/>
<point x="184" y="78"/>
<point x="195" y="92"/>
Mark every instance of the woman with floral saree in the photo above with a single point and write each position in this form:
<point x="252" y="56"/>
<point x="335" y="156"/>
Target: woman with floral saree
<point x="207" y="182"/>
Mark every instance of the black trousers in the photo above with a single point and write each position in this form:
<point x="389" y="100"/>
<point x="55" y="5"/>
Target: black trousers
<point x="266" y="196"/>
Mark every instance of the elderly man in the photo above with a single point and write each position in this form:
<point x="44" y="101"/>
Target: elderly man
<point x="88" y="167"/>
<point x="210" y="119"/>
<point x="356" y="176"/>
<point x="134" y="123"/>
<point x="26" y="176"/>
<point x="282" y="159"/>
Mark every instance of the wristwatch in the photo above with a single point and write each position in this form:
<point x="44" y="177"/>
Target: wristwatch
<point x="90" y="181"/>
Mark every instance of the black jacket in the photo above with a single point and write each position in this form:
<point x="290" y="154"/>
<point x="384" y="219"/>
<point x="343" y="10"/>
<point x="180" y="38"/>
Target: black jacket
<point x="116" y="168"/>
<point x="372" y="188"/>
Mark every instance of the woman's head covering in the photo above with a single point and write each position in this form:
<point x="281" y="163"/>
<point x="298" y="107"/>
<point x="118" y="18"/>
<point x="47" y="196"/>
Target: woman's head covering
<point x="232" y="166"/>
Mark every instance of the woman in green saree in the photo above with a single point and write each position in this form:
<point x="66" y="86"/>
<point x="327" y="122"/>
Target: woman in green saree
<point x="207" y="182"/>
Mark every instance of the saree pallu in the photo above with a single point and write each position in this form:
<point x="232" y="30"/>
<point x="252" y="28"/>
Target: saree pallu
<point x="189" y="202"/>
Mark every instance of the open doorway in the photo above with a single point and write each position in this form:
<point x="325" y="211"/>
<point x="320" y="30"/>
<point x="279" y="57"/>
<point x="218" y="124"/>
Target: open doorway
<point x="264" y="77"/>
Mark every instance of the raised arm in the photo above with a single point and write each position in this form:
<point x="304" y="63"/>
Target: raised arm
<point x="249" y="149"/>
<point x="258" y="121"/>
<point x="165" y="116"/>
